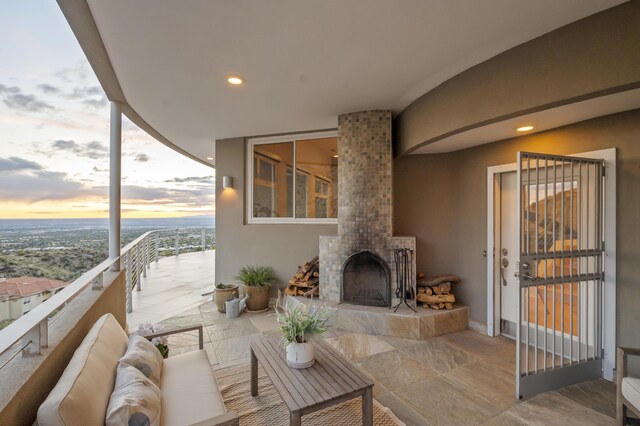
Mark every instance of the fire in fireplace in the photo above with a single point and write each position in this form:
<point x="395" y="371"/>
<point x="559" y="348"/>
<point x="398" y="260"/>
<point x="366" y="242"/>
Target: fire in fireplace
<point x="366" y="280"/>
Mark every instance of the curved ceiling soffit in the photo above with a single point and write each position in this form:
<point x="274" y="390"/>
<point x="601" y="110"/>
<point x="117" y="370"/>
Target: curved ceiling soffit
<point x="83" y="26"/>
<point x="520" y="113"/>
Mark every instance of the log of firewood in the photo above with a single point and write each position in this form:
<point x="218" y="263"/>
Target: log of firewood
<point x="436" y="290"/>
<point x="448" y="306"/>
<point x="436" y="298"/>
<point x="421" y="275"/>
<point x="431" y="281"/>
<point x="316" y="274"/>
<point x="315" y="291"/>
<point x="445" y="288"/>
<point x="434" y="306"/>
<point x="291" y="290"/>
<point x="300" y="292"/>
<point x="441" y="305"/>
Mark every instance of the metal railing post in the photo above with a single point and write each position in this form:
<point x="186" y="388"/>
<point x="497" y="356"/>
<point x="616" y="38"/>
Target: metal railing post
<point x="36" y="339"/>
<point x="138" y="286"/>
<point x="145" y="254"/>
<point x="129" y="283"/>
<point x="157" y="246"/>
<point x="203" y="240"/>
<point x="177" y="249"/>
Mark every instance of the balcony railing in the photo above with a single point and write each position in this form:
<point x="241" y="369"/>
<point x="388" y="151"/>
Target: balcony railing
<point x="32" y="328"/>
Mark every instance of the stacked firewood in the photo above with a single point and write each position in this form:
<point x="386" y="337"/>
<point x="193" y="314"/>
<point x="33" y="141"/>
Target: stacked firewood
<point x="305" y="281"/>
<point x="435" y="292"/>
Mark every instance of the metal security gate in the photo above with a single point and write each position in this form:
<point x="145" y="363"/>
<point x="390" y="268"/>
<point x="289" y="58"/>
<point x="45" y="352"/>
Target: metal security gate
<point x="559" y="331"/>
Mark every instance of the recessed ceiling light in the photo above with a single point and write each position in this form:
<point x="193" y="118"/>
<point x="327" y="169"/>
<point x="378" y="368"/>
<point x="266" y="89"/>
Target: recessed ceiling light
<point x="524" y="128"/>
<point x="209" y="158"/>
<point x="335" y="156"/>
<point x="236" y="80"/>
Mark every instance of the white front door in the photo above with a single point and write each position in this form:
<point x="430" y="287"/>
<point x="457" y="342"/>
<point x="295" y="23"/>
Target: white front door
<point x="508" y="254"/>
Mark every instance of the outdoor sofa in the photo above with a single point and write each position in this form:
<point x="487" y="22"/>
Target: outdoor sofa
<point x="187" y="385"/>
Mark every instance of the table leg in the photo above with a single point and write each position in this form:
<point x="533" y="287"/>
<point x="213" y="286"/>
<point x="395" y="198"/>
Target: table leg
<point x="367" y="407"/>
<point x="254" y="374"/>
<point x="295" y="418"/>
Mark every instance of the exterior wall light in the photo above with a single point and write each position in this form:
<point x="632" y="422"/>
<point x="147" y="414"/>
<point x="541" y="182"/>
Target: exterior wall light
<point x="227" y="182"/>
<point x="524" y="128"/>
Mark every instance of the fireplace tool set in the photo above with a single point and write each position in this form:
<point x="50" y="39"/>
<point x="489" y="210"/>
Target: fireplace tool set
<point x="404" y="273"/>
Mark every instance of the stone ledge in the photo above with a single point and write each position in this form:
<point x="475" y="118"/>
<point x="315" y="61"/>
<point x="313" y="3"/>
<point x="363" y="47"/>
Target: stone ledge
<point x="424" y="324"/>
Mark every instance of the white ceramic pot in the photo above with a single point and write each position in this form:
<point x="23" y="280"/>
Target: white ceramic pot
<point x="300" y="355"/>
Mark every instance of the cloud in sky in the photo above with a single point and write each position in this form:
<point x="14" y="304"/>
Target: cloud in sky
<point x="48" y="89"/>
<point x="94" y="149"/>
<point x="17" y="164"/>
<point x="30" y="182"/>
<point x="14" y="98"/>
<point x="141" y="158"/>
<point x="192" y="179"/>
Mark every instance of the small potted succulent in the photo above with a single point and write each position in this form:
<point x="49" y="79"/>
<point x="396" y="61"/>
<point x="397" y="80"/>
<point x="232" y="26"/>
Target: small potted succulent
<point x="297" y="324"/>
<point x="223" y="293"/>
<point x="257" y="282"/>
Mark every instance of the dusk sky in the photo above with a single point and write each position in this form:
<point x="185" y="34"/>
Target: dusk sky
<point x="54" y="132"/>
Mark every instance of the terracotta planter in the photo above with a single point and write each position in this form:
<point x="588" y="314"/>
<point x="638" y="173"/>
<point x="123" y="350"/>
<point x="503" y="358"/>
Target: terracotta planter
<point x="300" y="355"/>
<point x="221" y="295"/>
<point x="258" y="297"/>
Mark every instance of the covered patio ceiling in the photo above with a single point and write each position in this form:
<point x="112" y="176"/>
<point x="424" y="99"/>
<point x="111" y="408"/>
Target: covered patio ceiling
<point x="304" y="62"/>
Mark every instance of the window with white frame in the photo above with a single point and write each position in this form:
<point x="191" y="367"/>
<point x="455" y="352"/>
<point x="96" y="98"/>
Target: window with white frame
<point x="277" y="194"/>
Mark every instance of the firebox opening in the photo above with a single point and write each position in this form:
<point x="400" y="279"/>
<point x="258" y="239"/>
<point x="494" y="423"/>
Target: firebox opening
<point x="366" y="280"/>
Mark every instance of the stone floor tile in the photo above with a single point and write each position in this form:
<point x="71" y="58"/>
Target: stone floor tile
<point x="598" y="395"/>
<point x="231" y="328"/>
<point x="405" y="413"/>
<point x="442" y="402"/>
<point x="438" y="355"/>
<point x="395" y="369"/>
<point x="492" y="383"/>
<point x="551" y="409"/>
<point x="233" y="348"/>
<point x="356" y="346"/>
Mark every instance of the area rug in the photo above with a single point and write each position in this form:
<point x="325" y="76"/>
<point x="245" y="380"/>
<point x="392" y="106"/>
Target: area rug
<point x="268" y="408"/>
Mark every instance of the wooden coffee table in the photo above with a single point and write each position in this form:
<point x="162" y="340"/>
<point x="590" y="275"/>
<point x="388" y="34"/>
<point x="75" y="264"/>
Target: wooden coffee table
<point x="331" y="380"/>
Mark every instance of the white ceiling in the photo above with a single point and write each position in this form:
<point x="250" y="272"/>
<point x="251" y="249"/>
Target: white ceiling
<point x="305" y="62"/>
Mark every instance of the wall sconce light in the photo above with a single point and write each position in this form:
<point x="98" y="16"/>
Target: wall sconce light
<point x="227" y="182"/>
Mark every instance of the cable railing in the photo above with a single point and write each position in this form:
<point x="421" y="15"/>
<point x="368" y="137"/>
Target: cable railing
<point x="30" y="332"/>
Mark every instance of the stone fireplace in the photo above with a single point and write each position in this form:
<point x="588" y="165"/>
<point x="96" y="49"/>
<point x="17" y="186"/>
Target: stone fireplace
<point x="366" y="280"/>
<point x="365" y="214"/>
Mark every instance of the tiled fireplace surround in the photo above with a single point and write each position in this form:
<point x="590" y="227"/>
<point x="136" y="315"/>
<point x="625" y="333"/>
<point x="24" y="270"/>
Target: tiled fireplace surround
<point x="365" y="222"/>
<point x="365" y="209"/>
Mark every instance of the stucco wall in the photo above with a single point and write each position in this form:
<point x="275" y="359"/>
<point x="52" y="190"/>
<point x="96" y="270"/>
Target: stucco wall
<point x="442" y="200"/>
<point x="588" y="58"/>
<point x="282" y="246"/>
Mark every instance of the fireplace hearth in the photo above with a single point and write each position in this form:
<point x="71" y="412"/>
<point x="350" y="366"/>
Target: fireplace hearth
<point x="366" y="280"/>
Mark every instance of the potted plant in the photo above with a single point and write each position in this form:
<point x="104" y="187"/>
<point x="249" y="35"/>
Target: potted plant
<point x="223" y="293"/>
<point x="297" y="324"/>
<point x="257" y="281"/>
<point x="162" y="343"/>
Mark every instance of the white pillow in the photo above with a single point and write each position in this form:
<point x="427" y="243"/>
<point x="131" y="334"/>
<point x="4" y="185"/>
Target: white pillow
<point x="143" y="355"/>
<point x="135" y="399"/>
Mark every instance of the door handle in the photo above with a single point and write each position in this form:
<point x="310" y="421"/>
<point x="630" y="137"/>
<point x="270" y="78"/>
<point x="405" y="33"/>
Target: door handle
<point x="503" y="265"/>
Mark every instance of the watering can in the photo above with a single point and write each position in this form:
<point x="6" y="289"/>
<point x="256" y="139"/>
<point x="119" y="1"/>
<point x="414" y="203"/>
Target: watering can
<point x="235" y="306"/>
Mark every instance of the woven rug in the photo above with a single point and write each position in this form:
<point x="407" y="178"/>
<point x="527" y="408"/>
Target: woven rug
<point x="269" y="409"/>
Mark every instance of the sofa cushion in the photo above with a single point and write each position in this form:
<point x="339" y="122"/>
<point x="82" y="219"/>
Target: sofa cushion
<point x="631" y="391"/>
<point x="135" y="399"/>
<point x="82" y="394"/>
<point x="189" y="390"/>
<point x="143" y="355"/>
